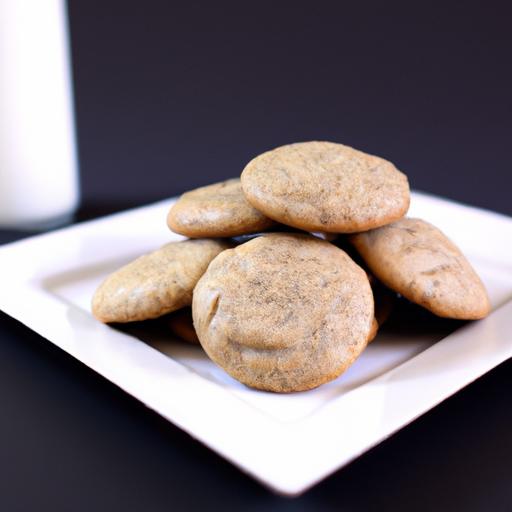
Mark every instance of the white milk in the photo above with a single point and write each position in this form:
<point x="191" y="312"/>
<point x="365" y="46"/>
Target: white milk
<point x="38" y="164"/>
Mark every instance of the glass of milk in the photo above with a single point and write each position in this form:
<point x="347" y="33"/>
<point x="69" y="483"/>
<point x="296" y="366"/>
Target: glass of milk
<point x="38" y="161"/>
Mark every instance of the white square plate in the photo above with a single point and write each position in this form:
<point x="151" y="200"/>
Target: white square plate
<point x="288" y="442"/>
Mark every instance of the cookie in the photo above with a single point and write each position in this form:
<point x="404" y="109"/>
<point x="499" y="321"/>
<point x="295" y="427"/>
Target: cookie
<point x="219" y="210"/>
<point x="418" y="261"/>
<point x="181" y="325"/>
<point x="156" y="283"/>
<point x="327" y="187"/>
<point x="283" y="312"/>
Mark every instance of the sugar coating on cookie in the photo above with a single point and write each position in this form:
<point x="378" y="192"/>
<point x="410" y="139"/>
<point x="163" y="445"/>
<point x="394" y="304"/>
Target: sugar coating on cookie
<point x="156" y="283"/>
<point x="283" y="312"/>
<point x="328" y="187"/>
<point x="218" y="210"/>
<point x="418" y="261"/>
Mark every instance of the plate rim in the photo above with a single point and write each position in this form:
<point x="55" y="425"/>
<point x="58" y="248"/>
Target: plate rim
<point x="276" y="441"/>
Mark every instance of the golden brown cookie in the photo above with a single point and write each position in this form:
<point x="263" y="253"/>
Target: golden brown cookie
<point x="218" y="210"/>
<point x="180" y="324"/>
<point x="156" y="283"/>
<point x="418" y="261"/>
<point x="283" y="312"/>
<point x="327" y="187"/>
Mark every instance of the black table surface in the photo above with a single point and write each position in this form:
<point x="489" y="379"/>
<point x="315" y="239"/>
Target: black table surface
<point x="170" y="97"/>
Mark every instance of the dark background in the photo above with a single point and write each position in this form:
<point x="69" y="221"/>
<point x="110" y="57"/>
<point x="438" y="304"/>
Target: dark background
<point x="175" y="95"/>
<point x="170" y="96"/>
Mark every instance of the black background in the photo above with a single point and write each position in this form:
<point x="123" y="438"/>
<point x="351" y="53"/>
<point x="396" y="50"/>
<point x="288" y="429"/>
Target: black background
<point x="170" y="96"/>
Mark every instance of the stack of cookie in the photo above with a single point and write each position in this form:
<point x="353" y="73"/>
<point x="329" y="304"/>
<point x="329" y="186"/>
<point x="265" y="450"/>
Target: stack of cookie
<point x="291" y="269"/>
